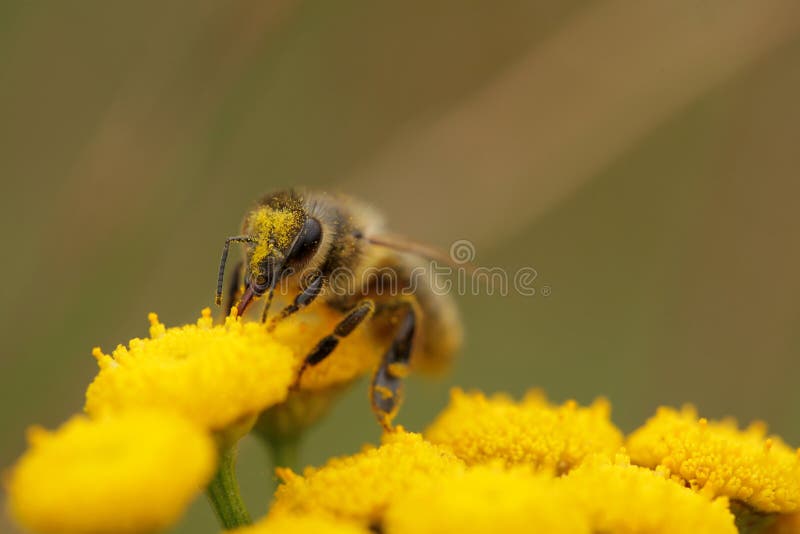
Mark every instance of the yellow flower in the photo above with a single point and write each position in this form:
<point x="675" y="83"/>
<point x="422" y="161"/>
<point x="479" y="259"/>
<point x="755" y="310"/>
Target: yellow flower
<point x="485" y="499"/>
<point x="361" y="487"/>
<point x="623" y="499"/>
<point x="301" y="524"/>
<point x="214" y="375"/>
<point x="719" y="459"/>
<point x="132" y="473"/>
<point x="531" y="432"/>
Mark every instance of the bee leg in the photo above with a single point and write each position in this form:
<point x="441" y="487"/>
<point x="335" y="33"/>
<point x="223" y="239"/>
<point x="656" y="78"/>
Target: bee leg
<point x="327" y="344"/>
<point x="234" y="288"/>
<point x="386" y="390"/>
<point x="306" y="297"/>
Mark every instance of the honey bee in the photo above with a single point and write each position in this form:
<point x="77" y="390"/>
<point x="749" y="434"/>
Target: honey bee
<point x="302" y="241"/>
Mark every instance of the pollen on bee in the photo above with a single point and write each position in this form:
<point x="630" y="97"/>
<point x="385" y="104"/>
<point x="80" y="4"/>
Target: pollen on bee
<point x="271" y="228"/>
<point x="384" y="392"/>
<point x="399" y="370"/>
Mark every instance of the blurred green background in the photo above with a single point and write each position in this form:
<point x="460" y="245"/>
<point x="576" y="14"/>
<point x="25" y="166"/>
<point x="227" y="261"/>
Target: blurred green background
<point x="643" y="157"/>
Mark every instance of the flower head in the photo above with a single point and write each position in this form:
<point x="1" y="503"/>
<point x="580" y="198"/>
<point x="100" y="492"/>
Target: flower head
<point x="485" y="499"/>
<point x="532" y="432"/>
<point x="719" y="459"/>
<point x="132" y="473"/>
<point x="361" y="487"/>
<point x="213" y="375"/>
<point x="621" y="498"/>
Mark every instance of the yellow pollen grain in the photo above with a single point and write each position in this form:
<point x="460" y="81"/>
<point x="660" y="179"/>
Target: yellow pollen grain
<point x="399" y="370"/>
<point x="384" y="392"/>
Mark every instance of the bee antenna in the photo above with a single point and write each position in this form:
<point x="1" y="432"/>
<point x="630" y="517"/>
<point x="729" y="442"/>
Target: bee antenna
<point x="224" y="259"/>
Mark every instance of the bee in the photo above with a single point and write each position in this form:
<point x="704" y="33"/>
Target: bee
<point x="302" y="242"/>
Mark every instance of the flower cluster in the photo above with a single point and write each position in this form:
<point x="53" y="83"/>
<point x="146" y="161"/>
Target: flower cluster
<point x="164" y="413"/>
<point x="492" y="464"/>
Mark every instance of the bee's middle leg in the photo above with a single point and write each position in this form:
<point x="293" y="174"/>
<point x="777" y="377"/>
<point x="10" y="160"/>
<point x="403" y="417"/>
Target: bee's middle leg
<point x="343" y="328"/>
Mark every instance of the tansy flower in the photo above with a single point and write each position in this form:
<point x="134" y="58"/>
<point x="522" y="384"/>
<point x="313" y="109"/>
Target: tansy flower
<point x="362" y="486"/>
<point x="132" y="473"/>
<point x="532" y="432"/>
<point x="301" y="524"/>
<point x="719" y="459"/>
<point x="213" y="375"/>
<point x="627" y="499"/>
<point x="485" y="499"/>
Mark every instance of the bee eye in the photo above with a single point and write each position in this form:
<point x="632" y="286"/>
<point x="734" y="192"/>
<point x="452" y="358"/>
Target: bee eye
<point x="307" y="242"/>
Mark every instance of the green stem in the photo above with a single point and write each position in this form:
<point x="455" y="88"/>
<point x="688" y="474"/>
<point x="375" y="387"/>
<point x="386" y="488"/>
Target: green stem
<point x="750" y="521"/>
<point x="284" y="451"/>
<point x="223" y="492"/>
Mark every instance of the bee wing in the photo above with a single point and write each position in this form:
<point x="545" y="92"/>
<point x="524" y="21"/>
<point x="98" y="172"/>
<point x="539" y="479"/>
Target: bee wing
<point x="428" y="252"/>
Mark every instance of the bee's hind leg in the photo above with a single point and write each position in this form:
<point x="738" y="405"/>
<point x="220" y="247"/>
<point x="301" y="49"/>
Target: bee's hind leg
<point x="343" y="328"/>
<point x="386" y="390"/>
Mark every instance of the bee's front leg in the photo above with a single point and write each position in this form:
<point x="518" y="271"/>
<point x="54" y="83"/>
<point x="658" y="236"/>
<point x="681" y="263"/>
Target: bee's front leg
<point x="310" y="292"/>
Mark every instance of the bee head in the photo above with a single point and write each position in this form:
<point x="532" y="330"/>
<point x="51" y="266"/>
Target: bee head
<point x="282" y="242"/>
